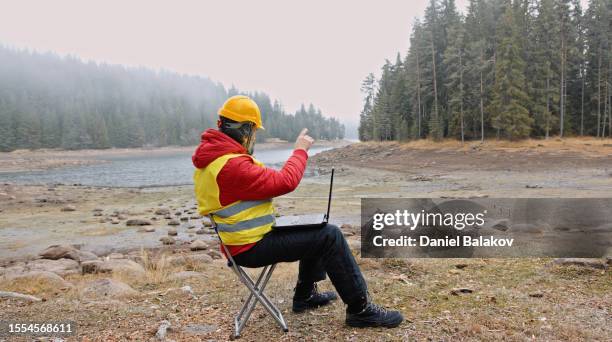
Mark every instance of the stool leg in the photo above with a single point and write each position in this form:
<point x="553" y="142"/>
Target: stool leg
<point x="257" y="291"/>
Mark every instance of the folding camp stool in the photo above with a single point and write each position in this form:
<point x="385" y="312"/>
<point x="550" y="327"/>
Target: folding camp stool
<point x="256" y="291"/>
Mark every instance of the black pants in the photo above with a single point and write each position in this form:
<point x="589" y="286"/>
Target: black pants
<point x="319" y="251"/>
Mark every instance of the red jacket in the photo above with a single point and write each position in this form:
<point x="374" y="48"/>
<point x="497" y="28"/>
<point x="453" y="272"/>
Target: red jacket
<point x="241" y="179"/>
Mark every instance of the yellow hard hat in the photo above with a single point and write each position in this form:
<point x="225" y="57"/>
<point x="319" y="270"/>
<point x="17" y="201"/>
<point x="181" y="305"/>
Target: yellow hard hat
<point x="241" y="108"/>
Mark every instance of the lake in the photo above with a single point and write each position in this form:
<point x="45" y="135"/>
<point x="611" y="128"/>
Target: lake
<point x="159" y="169"/>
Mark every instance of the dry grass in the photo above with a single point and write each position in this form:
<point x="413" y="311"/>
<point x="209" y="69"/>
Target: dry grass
<point x="157" y="269"/>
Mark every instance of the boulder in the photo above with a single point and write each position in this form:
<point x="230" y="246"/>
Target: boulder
<point x="107" y="288"/>
<point x="162" y="211"/>
<point x="92" y="266"/>
<point x="36" y="282"/>
<point x="85" y="256"/>
<point x="13" y="269"/>
<point x="138" y="222"/>
<point x="172" y="232"/>
<point x="198" y="245"/>
<point x="215" y="254"/>
<point x="55" y="252"/>
<point x="346" y="226"/>
<point x="115" y="256"/>
<point x="167" y="240"/>
<point x="197" y="259"/>
<point x="122" y="266"/>
<point x="61" y="267"/>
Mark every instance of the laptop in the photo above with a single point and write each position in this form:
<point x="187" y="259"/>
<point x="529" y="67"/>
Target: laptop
<point x="313" y="225"/>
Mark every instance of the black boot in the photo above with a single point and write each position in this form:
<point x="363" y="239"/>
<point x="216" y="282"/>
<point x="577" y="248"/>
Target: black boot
<point x="313" y="299"/>
<point x="374" y="316"/>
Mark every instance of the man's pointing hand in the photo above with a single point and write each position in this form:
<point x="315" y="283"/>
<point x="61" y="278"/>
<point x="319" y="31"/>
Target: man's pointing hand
<point x="304" y="141"/>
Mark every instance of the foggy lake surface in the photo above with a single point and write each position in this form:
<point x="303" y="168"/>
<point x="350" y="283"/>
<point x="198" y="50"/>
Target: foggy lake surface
<point x="158" y="169"/>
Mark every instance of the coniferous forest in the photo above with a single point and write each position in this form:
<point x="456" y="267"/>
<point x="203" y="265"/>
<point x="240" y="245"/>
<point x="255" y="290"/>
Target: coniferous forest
<point x="48" y="101"/>
<point x="505" y="69"/>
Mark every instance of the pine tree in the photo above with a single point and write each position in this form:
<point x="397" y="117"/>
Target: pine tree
<point x="510" y="116"/>
<point x="365" y="122"/>
<point x="454" y="59"/>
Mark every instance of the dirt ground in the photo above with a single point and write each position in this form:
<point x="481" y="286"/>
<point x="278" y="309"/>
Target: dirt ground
<point x="509" y="299"/>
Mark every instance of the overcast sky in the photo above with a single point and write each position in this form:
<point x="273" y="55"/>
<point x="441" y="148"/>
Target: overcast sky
<point x="296" y="51"/>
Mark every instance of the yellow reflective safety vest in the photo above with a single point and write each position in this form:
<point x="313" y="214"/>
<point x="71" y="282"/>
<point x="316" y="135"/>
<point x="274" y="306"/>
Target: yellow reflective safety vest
<point x="240" y="222"/>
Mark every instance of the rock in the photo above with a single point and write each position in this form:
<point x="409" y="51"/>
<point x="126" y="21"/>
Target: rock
<point x="69" y="208"/>
<point x="173" y="222"/>
<point x="161" y="331"/>
<point x="461" y="290"/>
<point x="198" y="245"/>
<point x="61" y="267"/>
<point x="107" y="288"/>
<point x="168" y="217"/>
<point x="536" y="294"/>
<point x="186" y="275"/>
<point x="115" y="221"/>
<point x="195" y="217"/>
<point x="21" y="296"/>
<point x="355" y="245"/>
<point x="346" y="226"/>
<point x="138" y="222"/>
<point x="97" y="210"/>
<point x="184" y="218"/>
<point x="215" y="254"/>
<point x="583" y="262"/>
<point x="55" y="252"/>
<point x="172" y="232"/>
<point x="200" y="231"/>
<point x="121" y="217"/>
<point x="167" y="240"/>
<point x="115" y="256"/>
<point x="122" y="266"/>
<point x="533" y="186"/>
<point x="162" y="211"/>
<point x="196" y="259"/>
<point x="206" y="223"/>
<point x="97" y="213"/>
<point x="37" y="281"/>
<point x="85" y="256"/>
<point x="178" y="213"/>
<point x="91" y="266"/>
<point x="146" y="229"/>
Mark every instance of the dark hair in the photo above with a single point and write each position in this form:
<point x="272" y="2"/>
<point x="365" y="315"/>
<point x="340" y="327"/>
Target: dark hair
<point x="239" y="131"/>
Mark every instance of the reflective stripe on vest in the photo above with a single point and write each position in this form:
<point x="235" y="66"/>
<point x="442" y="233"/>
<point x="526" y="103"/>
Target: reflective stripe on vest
<point x="240" y="222"/>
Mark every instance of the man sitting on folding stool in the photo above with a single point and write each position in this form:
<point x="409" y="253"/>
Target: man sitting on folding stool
<point x="236" y="190"/>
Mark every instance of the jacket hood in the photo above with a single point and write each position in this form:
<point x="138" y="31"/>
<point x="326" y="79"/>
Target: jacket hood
<point x="214" y="144"/>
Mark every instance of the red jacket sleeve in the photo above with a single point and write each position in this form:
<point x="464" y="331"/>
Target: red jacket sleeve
<point x="242" y="179"/>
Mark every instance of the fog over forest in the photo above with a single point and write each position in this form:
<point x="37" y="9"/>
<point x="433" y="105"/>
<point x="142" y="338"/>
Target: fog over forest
<point x="48" y="101"/>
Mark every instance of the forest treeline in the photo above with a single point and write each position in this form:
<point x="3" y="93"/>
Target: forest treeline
<point x="505" y="69"/>
<point x="48" y="101"/>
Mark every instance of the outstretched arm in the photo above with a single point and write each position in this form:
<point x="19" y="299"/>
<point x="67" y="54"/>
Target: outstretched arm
<point x="242" y="179"/>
